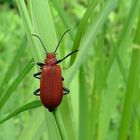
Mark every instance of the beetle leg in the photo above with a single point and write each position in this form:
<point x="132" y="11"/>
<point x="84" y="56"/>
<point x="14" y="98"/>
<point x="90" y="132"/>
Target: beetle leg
<point x="36" y="91"/>
<point x="36" y="75"/>
<point x="62" y="79"/>
<point x="66" y="90"/>
<point x="66" y="56"/>
<point x="40" y="64"/>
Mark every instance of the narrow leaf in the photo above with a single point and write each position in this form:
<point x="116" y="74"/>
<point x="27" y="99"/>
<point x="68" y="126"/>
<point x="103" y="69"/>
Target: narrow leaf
<point x="132" y="87"/>
<point x="15" y="83"/>
<point x="13" y="65"/>
<point x="82" y="27"/>
<point x="28" y="106"/>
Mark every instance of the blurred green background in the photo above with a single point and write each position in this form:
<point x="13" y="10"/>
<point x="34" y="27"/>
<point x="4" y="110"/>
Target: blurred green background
<point x="103" y="77"/>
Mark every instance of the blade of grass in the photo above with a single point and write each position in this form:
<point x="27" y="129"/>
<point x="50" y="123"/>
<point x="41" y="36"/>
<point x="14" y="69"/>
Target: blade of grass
<point x="90" y="36"/>
<point x="82" y="54"/>
<point x="119" y="60"/>
<point x="83" y="107"/>
<point x="35" y="126"/>
<point x="63" y="16"/>
<point x="98" y="72"/>
<point x="24" y="13"/>
<point x="51" y="38"/>
<point x="50" y="119"/>
<point x="135" y="133"/>
<point x="129" y="95"/>
<point x="13" y="65"/>
<point x="132" y="87"/>
<point x="15" y="83"/>
<point x="67" y="117"/>
<point x="28" y="28"/>
<point x="129" y="23"/>
<point x="82" y="27"/>
<point x="28" y="106"/>
<point x="41" y="18"/>
<point x="60" y="125"/>
<point x="137" y="113"/>
<point x="128" y="28"/>
<point x="123" y="38"/>
<point x="108" y="103"/>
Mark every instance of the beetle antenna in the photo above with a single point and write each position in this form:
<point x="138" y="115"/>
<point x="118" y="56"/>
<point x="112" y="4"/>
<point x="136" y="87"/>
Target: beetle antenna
<point x="40" y="41"/>
<point x="61" y="40"/>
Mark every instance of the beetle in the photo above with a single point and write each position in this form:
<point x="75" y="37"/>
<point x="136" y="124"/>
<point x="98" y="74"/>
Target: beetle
<point x="51" y="86"/>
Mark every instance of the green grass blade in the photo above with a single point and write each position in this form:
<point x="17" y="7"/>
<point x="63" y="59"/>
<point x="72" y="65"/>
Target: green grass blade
<point x="63" y="16"/>
<point x="83" y="107"/>
<point x="119" y="60"/>
<point x="90" y="36"/>
<point x="82" y="27"/>
<point x="35" y="127"/>
<point x="132" y="87"/>
<point x="60" y="125"/>
<point x="15" y="83"/>
<point x="98" y="62"/>
<point x="44" y="26"/>
<point x="82" y="54"/>
<point x="28" y="106"/>
<point x="135" y="133"/>
<point x="53" y="126"/>
<point x="137" y="113"/>
<point x="47" y="28"/>
<point x="129" y="95"/>
<point x="123" y="38"/>
<point x="29" y="29"/>
<point x="13" y="65"/>
<point x="43" y="23"/>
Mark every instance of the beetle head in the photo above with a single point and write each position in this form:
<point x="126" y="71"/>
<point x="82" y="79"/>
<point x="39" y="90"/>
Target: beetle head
<point x="50" y="59"/>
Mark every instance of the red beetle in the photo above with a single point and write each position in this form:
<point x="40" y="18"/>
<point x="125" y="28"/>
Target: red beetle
<point x="51" y="86"/>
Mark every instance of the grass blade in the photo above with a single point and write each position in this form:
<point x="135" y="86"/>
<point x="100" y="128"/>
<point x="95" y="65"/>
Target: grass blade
<point x="82" y="27"/>
<point x="15" y="83"/>
<point x="90" y="36"/>
<point x="60" y="125"/>
<point x="119" y="60"/>
<point x="41" y="18"/>
<point x="29" y="29"/>
<point x="35" y="126"/>
<point x="13" y="65"/>
<point x="82" y="54"/>
<point x="63" y="16"/>
<point x="28" y="106"/>
<point x="83" y="107"/>
<point x="132" y="87"/>
<point x="123" y="37"/>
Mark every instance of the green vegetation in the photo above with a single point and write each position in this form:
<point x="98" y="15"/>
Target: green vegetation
<point x="103" y="77"/>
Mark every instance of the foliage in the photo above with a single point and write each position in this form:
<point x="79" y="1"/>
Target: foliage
<point x="103" y="76"/>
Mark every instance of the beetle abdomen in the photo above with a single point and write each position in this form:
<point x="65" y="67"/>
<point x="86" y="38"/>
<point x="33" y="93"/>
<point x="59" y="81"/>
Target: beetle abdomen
<point x="51" y="88"/>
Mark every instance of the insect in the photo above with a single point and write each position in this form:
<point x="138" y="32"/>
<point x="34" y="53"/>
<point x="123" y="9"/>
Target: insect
<point x="51" y="86"/>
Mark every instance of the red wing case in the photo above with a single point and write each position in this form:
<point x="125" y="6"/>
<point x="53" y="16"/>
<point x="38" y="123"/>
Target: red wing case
<point x="51" y="88"/>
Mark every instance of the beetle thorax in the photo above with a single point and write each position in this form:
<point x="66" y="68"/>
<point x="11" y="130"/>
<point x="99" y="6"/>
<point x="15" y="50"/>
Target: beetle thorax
<point x="50" y="59"/>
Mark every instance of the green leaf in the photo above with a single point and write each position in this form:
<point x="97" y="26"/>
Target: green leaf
<point x="83" y="107"/>
<point x="28" y="106"/>
<point x="15" y="83"/>
<point x="13" y="65"/>
<point x="35" y="127"/>
<point x="41" y="15"/>
<point x="29" y="29"/>
<point x="82" y="27"/>
<point x="93" y="30"/>
<point x="132" y="86"/>
<point x="65" y="19"/>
